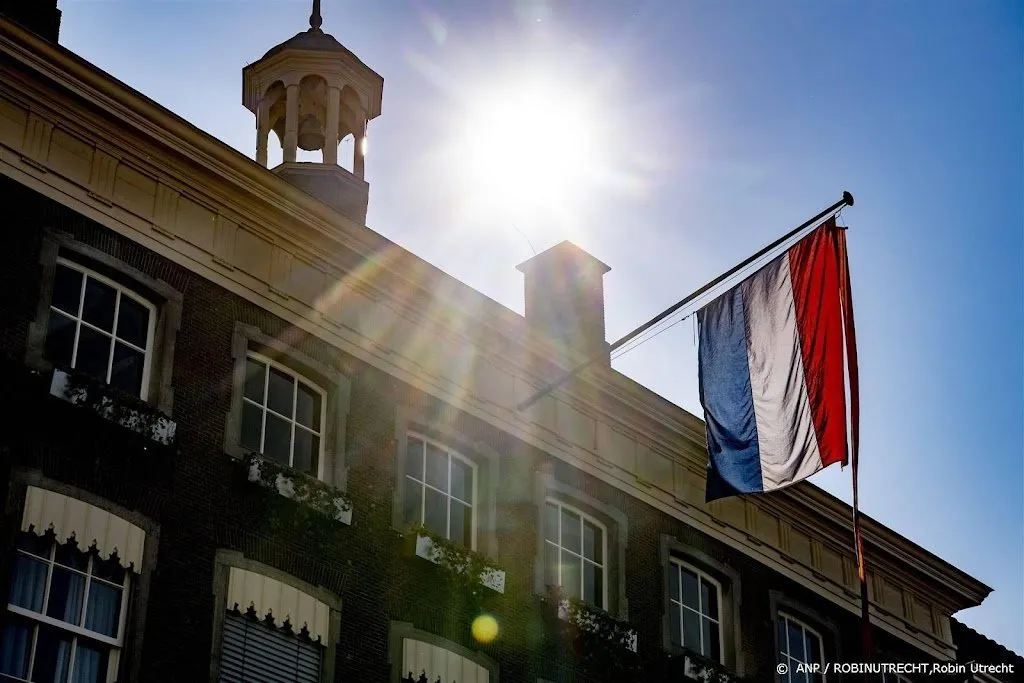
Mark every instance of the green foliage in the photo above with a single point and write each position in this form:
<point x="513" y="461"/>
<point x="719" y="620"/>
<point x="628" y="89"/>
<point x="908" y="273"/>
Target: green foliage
<point x="118" y="407"/>
<point x="464" y="566"/>
<point x="300" y="504"/>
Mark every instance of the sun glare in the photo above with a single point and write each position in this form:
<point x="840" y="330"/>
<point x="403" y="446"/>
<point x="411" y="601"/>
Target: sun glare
<point x="529" y="149"/>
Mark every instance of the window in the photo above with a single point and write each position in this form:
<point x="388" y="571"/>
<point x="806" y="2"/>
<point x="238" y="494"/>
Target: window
<point x="255" y="651"/>
<point x="66" y="614"/>
<point x="99" y="328"/>
<point x="282" y="415"/>
<point x="694" y="613"/>
<point x="440" y="490"/>
<point x="798" y="644"/>
<point x="415" y="654"/>
<point x="574" y="554"/>
<point x="270" y="626"/>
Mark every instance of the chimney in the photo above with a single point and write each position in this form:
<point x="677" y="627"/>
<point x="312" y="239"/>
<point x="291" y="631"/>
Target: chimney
<point x="565" y="298"/>
<point x="39" y="16"/>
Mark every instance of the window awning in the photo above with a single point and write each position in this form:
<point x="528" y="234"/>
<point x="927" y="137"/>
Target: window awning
<point x="418" y="657"/>
<point x="90" y="525"/>
<point x="281" y="601"/>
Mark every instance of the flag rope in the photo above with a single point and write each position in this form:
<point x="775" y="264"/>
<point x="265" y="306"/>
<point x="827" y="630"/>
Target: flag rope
<point x="699" y="294"/>
<point x="846" y="295"/>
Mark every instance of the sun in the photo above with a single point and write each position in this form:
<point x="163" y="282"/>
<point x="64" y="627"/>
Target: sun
<point x="529" y="148"/>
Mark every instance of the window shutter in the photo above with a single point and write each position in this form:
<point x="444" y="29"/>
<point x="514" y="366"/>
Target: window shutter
<point x="253" y="652"/>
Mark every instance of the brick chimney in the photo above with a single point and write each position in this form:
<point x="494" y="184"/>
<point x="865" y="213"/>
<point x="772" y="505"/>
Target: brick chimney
<point x="40" y="16"/>
<point x="565" y="298"/>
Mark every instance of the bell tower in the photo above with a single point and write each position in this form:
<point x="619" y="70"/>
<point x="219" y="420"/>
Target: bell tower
<point x="312" y="92"/>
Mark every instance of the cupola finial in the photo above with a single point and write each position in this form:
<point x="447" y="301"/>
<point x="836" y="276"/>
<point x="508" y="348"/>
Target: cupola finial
<point x="315" y="20"/>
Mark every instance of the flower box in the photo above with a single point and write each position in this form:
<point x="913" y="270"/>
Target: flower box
<point x="113" y="405"/>
<point x="458" y="560"/>
<point x="300" y="487"/>
<point x="597" y="621"/>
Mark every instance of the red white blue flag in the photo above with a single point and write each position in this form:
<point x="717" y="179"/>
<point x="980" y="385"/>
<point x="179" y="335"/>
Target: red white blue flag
<point x="772" y="369"/>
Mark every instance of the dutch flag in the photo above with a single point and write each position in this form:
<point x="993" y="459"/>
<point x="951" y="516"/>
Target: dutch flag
<point x="772" y="369"/>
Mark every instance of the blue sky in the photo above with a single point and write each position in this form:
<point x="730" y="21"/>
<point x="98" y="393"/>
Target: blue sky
<point x="721" y="126"/>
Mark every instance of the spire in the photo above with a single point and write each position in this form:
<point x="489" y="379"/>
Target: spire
<point x="315" y="20"/>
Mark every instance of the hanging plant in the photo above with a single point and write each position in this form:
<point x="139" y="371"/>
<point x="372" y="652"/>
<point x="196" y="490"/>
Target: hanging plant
<point x="310" y="493"/>
<point x="467" y="568"/>
<point x="114" y="405"/>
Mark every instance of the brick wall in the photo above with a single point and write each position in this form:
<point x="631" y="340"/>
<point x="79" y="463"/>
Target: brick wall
<point x="200" y="499"/>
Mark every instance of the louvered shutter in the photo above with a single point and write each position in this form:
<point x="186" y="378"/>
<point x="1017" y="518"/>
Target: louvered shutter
<point x="253" y="652"/>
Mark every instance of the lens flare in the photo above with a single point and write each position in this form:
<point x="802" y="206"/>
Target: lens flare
<point x="485" y="629"/>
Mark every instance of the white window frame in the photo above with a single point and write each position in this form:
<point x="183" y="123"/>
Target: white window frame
<point x="451" y="453"/>
<point x="604" y="546"/>
<point x="717" y="620"/>
<point x="264" y="408"/>
<point x="116" y="644"/>
<point x="790" y="660"/>
<point x="147" y="353"/>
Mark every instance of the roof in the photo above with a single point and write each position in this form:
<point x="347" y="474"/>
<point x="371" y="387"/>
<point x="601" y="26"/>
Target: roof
<point x="311" y="39"/>
<point x="977" y="647"/>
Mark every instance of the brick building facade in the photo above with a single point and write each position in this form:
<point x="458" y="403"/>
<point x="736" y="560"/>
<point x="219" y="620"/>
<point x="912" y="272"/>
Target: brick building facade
<point x="237" y="274"/>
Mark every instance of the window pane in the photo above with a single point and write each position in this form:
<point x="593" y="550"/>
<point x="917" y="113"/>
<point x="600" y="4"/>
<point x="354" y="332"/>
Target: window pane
<point x="813" y="647"/>
<point x="67" y="589"/>
<point x="60" y="340"/>
<point x="712" y="648"/>
<point x="709" y="599"/>
<point x="571" y="531"/>
<point x="255" y="378"/>
<point x="593" y="584"/>
<point x="93" y="353"/>
<point x="28" y="583"/>
<point x="281" y="392"/>
<point x="461" y="524"/>
<point x="252" y="426"/>
<point x="592" y="542"/>
<point x="689" y="588"/>
<point x="69" y="555"/>
<point x="277" y="440"/>
<point x="132" y="321"/>
<point x="307" y="451"/>
<point x="37" y="545"/>
<point x="796" y="642"/>
<point x="108" y="570"/>
<point x="551" y="522"/>
<point x="437" y="468"/>
<point x="15" y="647"/>
<point x="98" y="306"/>
<point x="126" y="373"/>
<point x="550" y="564"/>
<point x="414" y="458"/>
<point x="307" y="407"/>
<point x="436" y="512"/>
<point x="673" y="581"/>
<point x="462" y="480"/>
<point x="53" y="656"/>
<point x="67" y="289"/>
<point x="781" y="634"/>
<point x="571" y="575"/>
<point x="675" y="625"/>
<point x="413" y="501"/>
<point x="104" y="609"/>
<point x="90" y="664"/>
<point x="691" y="630"/>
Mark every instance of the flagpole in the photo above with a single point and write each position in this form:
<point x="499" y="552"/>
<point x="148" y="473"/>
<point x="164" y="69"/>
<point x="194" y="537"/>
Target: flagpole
<point x="847" y="200"/>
